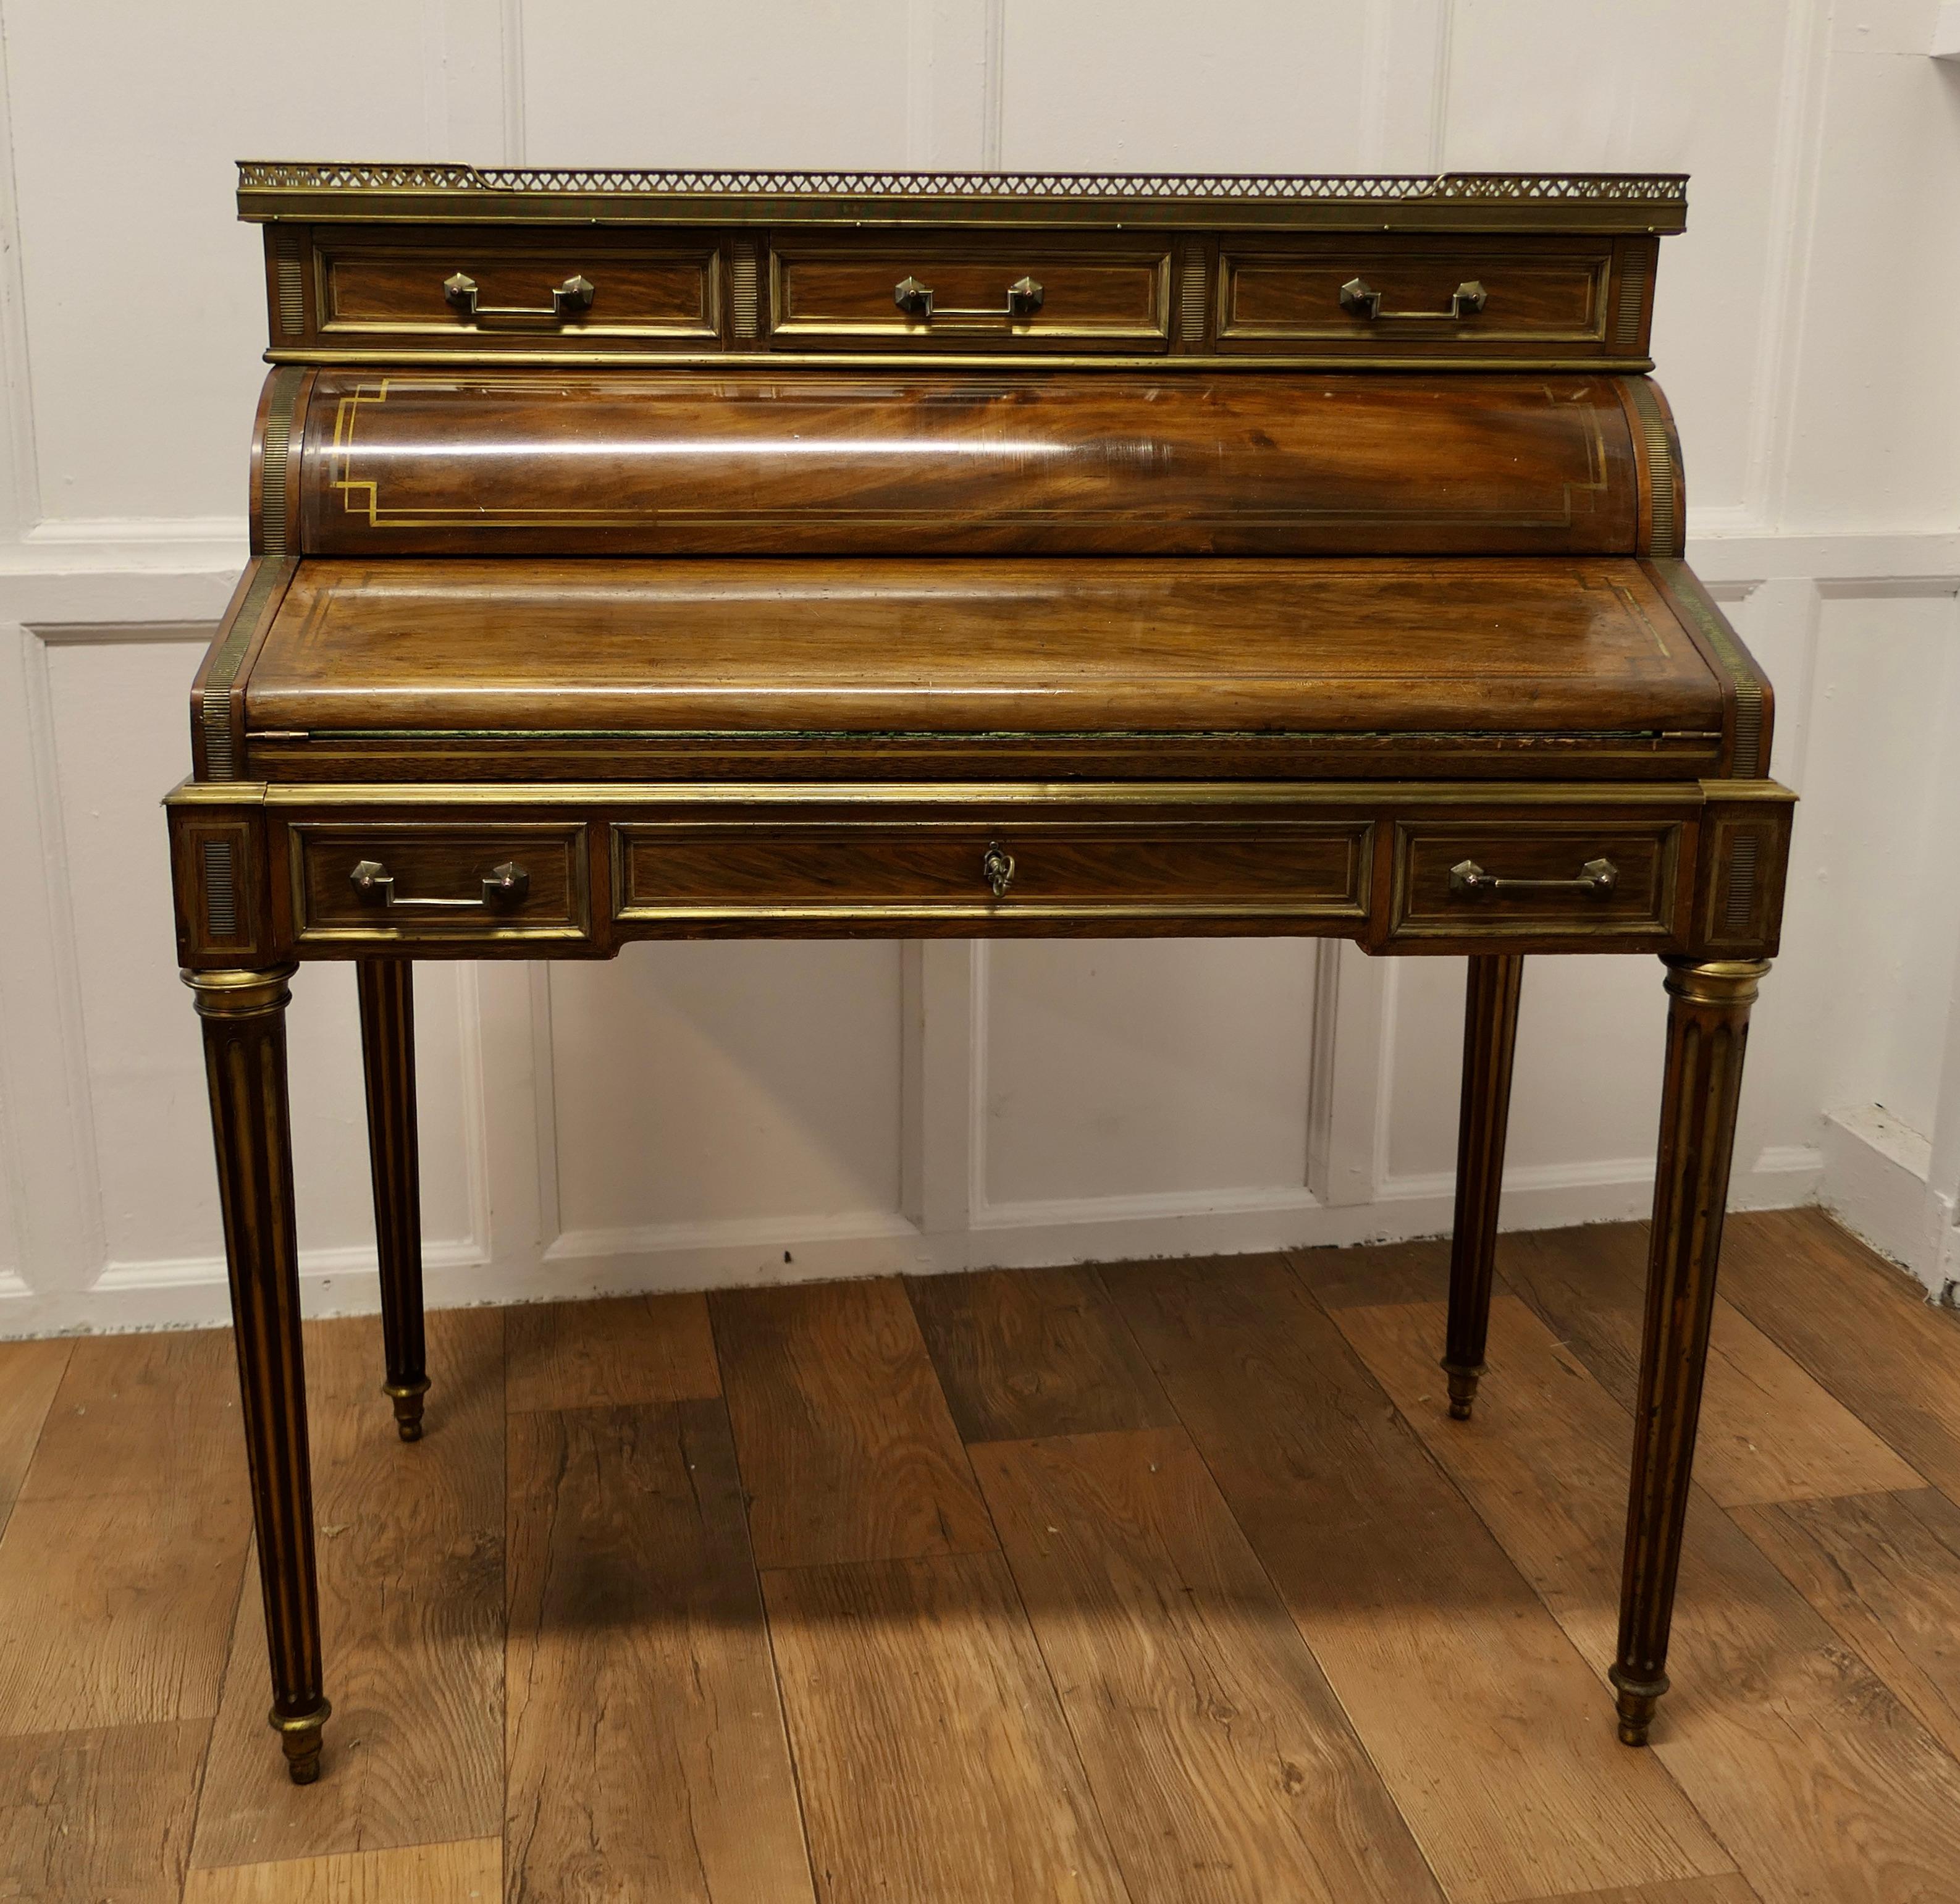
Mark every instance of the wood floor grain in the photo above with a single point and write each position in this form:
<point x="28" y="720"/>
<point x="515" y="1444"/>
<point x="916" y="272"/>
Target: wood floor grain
<point x="848" y="1449"/>
<point x="116" y="1609"/>
<point x="1026" y="1353"/>
<point x="1225" y="1770"/>
<point x="1732" y="1889"/>
<point x="29" y="1373"/>
<point x="411" y="1557"/>
<point x="1770" y="1430"/>
<point x="1858" y="1325"/>
<point x="1459" y="1681"/>
<point x="610" y="1354"/>
<point x="935" y="1764"/>
<point x="97" y="1815"/>
<point x="143" y="1414"/>
<point x="1808" y="1768"/>
<point x="646" y="1744"/>
<point x="449" y="1873"/>
<point x="1884" y="1569"/>
<point x="1258" y="1622"/>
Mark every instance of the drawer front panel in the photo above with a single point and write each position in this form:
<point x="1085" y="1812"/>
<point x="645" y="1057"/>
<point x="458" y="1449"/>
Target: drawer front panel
<point x="978" y="295"/>
<point x="1366" y="297"/>
<point x="522" y="290"/>
<point x="395" y="881"/>
<point x="1614" y="879"/>
<point x="790" y="866"/>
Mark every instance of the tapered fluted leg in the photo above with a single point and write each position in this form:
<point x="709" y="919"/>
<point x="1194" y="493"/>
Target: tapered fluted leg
<point x="1490" y="1039"/>
<point x="388" y="1054"/>
<point x="243" y="1016"/>
<point x="1707" y="1028"/>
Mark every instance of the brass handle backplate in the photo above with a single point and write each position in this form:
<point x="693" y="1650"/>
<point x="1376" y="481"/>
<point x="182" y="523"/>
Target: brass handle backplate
<point x="1024" y="299"/>
<point x="570" y="299"/>
<point x="1469" y="881"/>
<point x="507" y="885"/>
<point x="997" y="869"/>
<point x="1357" y="295"/>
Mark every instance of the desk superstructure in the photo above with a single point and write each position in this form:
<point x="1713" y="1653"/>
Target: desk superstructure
<point x="644" y="556"/>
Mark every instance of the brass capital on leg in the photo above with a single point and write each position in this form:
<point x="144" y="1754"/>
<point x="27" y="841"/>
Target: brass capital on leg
<point x="1707" y="1031"/>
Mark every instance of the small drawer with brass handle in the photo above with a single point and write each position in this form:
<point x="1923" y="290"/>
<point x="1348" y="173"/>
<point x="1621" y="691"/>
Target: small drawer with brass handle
<point x="1468" y="298"/>
<point x="1618" y="878"/>
<point x="444" y="289"/>
<point x="396" y="879"/>
<point x="978" y="292"/>
<point x="505" y="886"/>
<point x="1577" y="297"/>
<point x="1044" y="861"/>
<point x="569" y="301"/>
<point x="1025" y="297"/>
<point x="1598" y="876"/>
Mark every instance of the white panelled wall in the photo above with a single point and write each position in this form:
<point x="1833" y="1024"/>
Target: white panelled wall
<point x="715" y="1113"/>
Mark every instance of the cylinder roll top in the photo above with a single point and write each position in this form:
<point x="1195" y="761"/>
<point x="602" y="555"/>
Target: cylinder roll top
<point x="1066" y="463"/>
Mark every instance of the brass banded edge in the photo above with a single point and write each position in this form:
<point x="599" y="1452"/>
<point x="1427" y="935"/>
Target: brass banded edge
<point x="921" y="360"/>
<point x="1342" y="909"/>
<point x="1660" y="796"/>
<point x="1728" y="983"/>
<point x="239" y="993"/>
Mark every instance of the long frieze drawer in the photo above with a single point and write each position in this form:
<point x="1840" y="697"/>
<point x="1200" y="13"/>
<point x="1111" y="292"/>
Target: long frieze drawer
<point x="788" y="866"/>
<point x="1368" y="297"/>
<point x="1580" y="880"/>
<point x="553" y="290"/>
<point x="384" y="881"/>
<point x="986" y="292"/>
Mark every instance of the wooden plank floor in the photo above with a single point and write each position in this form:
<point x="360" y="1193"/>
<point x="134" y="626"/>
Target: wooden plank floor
<point x="1163" y="1584"/>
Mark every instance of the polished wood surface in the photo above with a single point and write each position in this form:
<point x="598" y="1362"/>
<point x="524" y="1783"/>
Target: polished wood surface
<point x="1844" y="1788"/>
<point x="1494" y="649"/>
<point x="502" y="462"/>
<point x="978" y="555"/>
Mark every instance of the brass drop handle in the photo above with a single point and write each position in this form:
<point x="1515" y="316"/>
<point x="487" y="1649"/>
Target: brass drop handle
<point x="1469" y="881"/>
<point x="507" y="885"/>
<point x="1024" y="299"/>
<point x="1357" y="295"/>
<point x="997" y="869"/>
<point x="571" y="299"/>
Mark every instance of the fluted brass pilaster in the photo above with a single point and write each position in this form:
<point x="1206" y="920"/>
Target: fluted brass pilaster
<point x="1707" y="1030"/>
<point x="243" y="1017"/>
<point x="388" y="1059"/>
<point x="1490" y="1040"/>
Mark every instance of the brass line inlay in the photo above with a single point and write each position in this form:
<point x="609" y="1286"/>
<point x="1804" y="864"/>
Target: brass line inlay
<point x="1191" y="296"/>
<point x="1633" y="288"/>
<point x="1741" y="882"/>
<point x="1748" y="763"/>
<point x="361" y="497"/>
<point x="743" y="275"/>
<point x="1664" y="539"/>
<point x="221" y="891"/>
<point x="287" y="267"/>
<point x="214" y="710"/>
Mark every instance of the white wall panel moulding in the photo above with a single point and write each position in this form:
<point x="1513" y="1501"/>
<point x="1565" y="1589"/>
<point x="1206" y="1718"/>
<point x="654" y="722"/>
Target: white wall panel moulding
<point x="1946" y="32"/>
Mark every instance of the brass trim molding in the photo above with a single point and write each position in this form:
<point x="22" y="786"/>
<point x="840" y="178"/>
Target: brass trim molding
<point x="272" y="188"/>
<point x="1664" y="538"/>
<point x="1686" y="595"/>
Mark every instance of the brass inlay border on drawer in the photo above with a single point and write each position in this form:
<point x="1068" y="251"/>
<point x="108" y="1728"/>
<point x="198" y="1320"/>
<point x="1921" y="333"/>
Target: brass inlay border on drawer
<point x="472" y="840"/>
<point x="1357" y="834"/>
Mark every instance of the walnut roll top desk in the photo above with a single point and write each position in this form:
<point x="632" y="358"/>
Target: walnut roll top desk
<point x="641" y="556"/>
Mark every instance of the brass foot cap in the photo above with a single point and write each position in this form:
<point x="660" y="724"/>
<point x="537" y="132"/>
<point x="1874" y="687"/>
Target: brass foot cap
<point x="1638" y="1698"/>
<point x="300" y="1739"/>
<point x="407" y="1397"/>
<point x="1463" y="1388"/>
